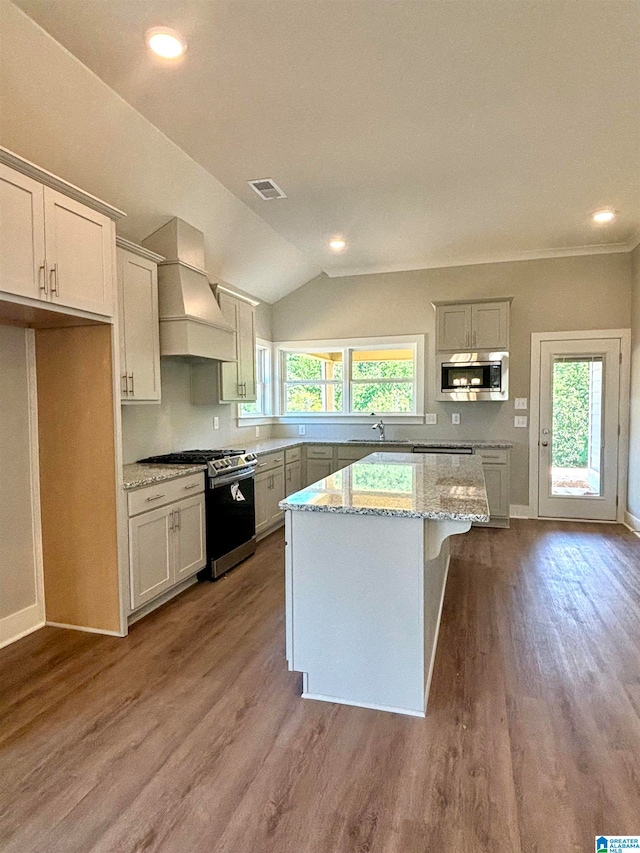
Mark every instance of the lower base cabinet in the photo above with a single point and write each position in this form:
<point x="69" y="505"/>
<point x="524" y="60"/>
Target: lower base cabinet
<point x="166" y="545"/>
<point x="292" y="478"/>
<point x="269" y="493"/>
<point x="495" y="466"/>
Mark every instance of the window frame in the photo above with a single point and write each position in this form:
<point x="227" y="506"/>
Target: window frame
<point x="266" y="395"/>
<point x="348" y="346"/>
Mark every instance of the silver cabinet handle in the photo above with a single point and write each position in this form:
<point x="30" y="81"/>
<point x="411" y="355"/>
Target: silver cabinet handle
<point x="192" y="486"/>
<point x="130" y="391"/>
<point x="55" y="288"/>
<point x="178" y="522"/>
<point x="262" y="464"/>
<point x="172" y="517"/>
<point x="488" y="456"/>
<point x="155" y="497"/>
<point x="474" y="339"/>
<point x="43" y="279"/>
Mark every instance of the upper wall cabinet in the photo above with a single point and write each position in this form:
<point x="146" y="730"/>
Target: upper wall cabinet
<point x="56" y="242"/>
<point x="482" y="325"/>
<point x="139" y="325"/>
<point x="238" y="378"/>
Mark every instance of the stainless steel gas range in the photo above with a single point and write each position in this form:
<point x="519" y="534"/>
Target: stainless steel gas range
<point x="229" y="503"/>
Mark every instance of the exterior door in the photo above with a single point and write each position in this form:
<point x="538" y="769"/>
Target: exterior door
<point x="578" y="429"/>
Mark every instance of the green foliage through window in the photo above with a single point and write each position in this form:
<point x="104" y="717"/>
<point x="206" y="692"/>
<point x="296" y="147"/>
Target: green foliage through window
<point x="571" y="401"/>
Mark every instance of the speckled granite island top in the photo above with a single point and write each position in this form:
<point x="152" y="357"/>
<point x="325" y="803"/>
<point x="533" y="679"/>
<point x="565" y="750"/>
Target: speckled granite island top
<point x="401" y="484"/>
<point x="136" y="475"/>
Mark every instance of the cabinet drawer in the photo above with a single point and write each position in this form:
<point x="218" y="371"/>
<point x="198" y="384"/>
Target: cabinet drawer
<point x="269" y="461"/>
<point x="497" y="457"/>
<point x="164" y="492"/>
<point x="318" y="452"/>
<point x="293" y="454"/>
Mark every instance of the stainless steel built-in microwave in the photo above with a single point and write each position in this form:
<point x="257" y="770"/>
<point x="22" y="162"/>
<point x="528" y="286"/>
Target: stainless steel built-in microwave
<point x="485" y="376"/>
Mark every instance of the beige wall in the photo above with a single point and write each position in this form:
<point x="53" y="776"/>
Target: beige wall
<point x="562" y="294"/>
<point x="57" y="113"/>
<point x="634" y="439"/>
<point x="18" y="587"/>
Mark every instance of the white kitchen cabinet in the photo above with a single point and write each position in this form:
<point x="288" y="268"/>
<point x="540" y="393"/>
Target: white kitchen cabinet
<point x="189" y="529"/>
<point x="269" y="490"/>
<point x="293" y="478"/>
<point x="166" y="544"/>
<point x="496" y="469"/>
<point x="238" y="378"/>
<point x="22" y="264"/>
<point x="318" y="469"/>
<point x="79" y="253"/>
<point x="53" y="247"/>
<point x="139" y="326"/>
<point x="482" y="325"/>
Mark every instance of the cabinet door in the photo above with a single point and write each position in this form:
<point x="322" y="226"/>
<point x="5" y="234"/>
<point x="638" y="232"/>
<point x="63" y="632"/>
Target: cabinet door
<point x="262" y="482"/>
<point x="276" y="494"/>
<point x="454" y="327"/>
<point x="139" y="331"/>
<point x="495" y="478"/>
<point x="247" y="350"/>
<point x="189" y="533"/>
<point x="293" y="478"/>
<point x="317" y="469"/>
<point x="150" y="555"/>
<point x="22" y="250"/>
<point x="79" y="246"/>
<point x="489" y="325"/>
<point x="229" y="376"/>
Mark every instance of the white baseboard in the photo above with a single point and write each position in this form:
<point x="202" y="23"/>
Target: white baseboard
<point x="519" y="511"/>
<point x="85" y="629"/>
<point x="19" y="624"/>
<point x="632" y="523"/>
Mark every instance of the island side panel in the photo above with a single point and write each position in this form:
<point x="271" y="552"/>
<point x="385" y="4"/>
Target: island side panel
<point x="357" y="608"/>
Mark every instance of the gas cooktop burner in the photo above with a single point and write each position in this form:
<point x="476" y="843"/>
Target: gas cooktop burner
<point x="191" y="457"/>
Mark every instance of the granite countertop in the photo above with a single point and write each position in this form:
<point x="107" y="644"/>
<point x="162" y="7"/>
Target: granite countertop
<point x="268" y="445"/>
<point x="135" y="475"/>
<point x="406" y="485"/>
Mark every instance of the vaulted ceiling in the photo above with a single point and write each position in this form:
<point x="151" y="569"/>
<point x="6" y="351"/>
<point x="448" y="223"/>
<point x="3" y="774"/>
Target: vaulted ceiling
<point x="426" y="133"/>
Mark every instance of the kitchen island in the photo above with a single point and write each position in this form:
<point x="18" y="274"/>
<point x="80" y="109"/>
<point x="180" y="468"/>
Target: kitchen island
<point x="367" y="557"/>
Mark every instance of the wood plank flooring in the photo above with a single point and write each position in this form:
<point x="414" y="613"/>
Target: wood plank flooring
<point x="189" y="736"/>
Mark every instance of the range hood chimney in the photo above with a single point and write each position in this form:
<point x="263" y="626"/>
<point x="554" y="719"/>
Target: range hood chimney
<point x="191" y="322"/>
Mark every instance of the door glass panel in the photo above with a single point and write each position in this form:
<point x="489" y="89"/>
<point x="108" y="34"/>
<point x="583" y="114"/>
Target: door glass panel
<point x="576" y="446"/>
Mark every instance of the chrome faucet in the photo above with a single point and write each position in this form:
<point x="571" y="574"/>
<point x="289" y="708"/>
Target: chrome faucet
<point x="379" y="425"/>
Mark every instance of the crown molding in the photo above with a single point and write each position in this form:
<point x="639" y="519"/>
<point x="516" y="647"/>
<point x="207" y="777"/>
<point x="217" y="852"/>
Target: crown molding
<point x="123" y="243"/>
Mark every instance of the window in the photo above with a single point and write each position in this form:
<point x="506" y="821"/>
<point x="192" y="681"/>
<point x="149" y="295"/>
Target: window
<point x="261" y="407"/>
<point x="347" y="378"/>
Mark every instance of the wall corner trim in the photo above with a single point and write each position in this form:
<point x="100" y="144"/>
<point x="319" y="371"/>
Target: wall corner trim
<point x="632" y="523"/>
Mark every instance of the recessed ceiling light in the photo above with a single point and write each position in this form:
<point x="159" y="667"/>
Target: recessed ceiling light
<point x="165" y="42"/>
<point x="604" y="216"/>
<point x="337" y="244"/>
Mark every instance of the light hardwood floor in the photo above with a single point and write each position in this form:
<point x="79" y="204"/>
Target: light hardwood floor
<point x="189" y="736"/>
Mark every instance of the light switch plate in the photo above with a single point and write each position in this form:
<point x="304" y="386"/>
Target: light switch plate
<point x="216" y="423"/>
<point x="520" y="421"/>
<point x="455" y="417"/>
<point x="431" y="419"/>
<point x="521" y="403"/>
<point x="302" y="429"/>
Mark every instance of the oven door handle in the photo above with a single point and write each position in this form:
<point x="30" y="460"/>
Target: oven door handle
<point x="214" y="483"/>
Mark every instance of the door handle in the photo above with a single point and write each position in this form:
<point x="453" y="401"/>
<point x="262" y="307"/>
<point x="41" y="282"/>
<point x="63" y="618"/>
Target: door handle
<point x="43" y="280"/>
<point x="54" y="272"/>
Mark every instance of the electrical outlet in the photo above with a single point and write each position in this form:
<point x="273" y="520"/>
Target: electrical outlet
<point x="520" y="421"/>
<point x="257" y="432"/>
<point x="302" y="429"/>
<point x="455" y="417"/>
<point x="521" y="403"/>
<point x="216" y="423"/>
<point x="431" y="419"/>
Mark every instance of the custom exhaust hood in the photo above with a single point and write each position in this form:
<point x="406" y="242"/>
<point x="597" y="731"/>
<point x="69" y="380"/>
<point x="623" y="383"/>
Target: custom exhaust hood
<point x="191" y="322"/>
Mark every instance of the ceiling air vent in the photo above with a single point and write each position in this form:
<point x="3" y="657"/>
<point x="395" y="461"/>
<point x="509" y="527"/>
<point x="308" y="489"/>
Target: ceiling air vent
<point x="266" y="189"/>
